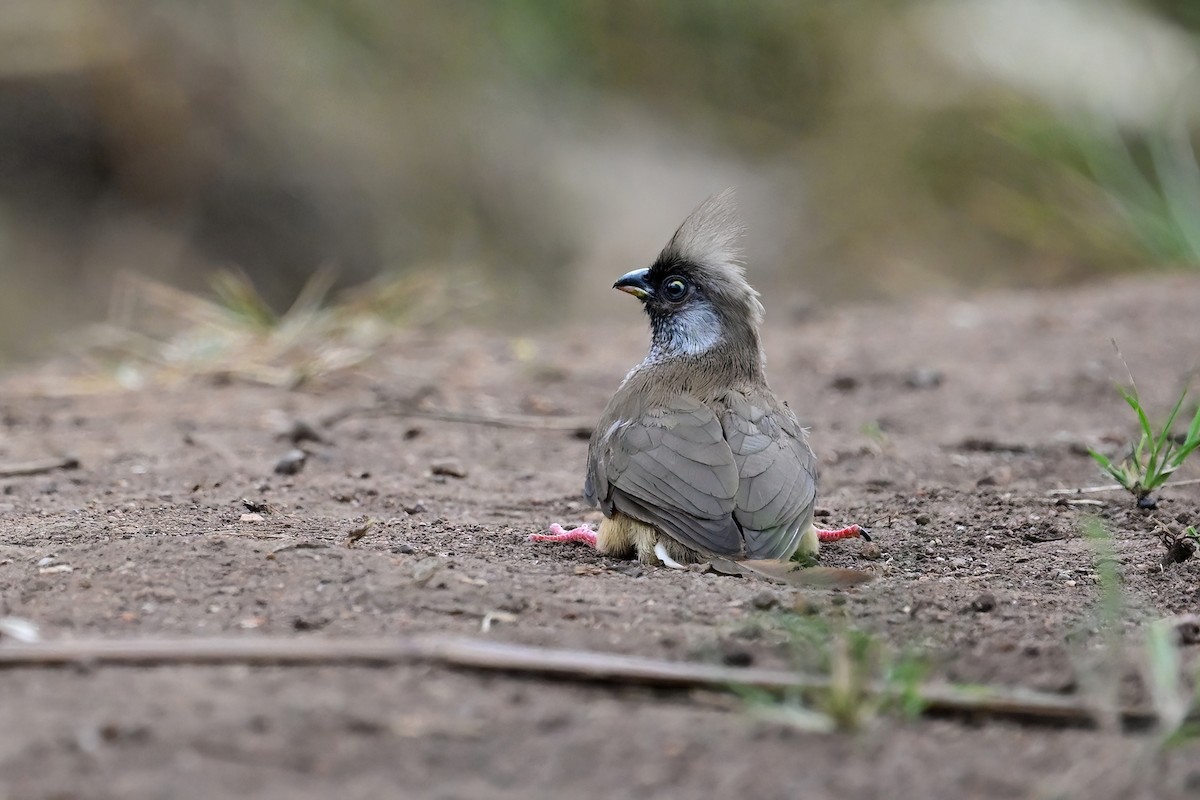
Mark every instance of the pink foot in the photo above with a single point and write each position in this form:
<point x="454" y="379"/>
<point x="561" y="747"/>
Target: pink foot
<point x="557" y="534"/>
<point x="848" y="532"/>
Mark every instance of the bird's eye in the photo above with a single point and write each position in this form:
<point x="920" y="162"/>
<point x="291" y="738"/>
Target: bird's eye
<point x="674" y="289"/>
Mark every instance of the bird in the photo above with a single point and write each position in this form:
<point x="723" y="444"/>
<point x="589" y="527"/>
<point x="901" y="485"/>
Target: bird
<point x="694" y="457"/>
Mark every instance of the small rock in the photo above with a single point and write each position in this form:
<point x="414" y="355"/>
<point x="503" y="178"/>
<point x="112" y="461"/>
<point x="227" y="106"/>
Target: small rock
<point x="300" y="431"/>
<point x="923" y="378"/>
<point x="404" y="549"/>
<point x="251" y="516"/>
<point x="309" y="623"/>
<point x="1149" y="502"/>
<point x="734" y="656"/>
<point x="257" y="507"/>
<point x="983" y="602"/>
<point x="415" y="508"/>
<point x="923" y="519"/>
<point x="765" y="601"/>
<point x="449" y="468"/>
<point x="844" y="383"/>
<point x="1187" y="630"/>
<point x="870" y="551"/>
<point x="291" y="463"/>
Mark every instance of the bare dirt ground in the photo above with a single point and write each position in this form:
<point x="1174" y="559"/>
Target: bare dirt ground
<point x="940" y="424"/>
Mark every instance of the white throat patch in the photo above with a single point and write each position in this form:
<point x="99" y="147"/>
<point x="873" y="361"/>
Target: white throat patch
<point x="690" y="332"/>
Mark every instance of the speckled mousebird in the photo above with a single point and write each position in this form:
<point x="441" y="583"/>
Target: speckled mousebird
<point x="695" y="457"/>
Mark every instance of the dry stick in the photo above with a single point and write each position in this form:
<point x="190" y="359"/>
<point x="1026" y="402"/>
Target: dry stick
<point x="1112" y="487"/>
<point x="39" y="467"/>
<point x="572" y="424"/>
<point x="577" y="665"/>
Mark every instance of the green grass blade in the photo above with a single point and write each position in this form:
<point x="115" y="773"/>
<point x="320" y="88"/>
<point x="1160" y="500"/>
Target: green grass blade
<point x="1132" y="399"/>
<point x="1164" y="445"/>
<point x="1193" y="432"/>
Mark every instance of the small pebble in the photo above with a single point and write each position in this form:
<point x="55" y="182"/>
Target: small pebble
<point x="300" y="431"/>
<point x="291" y="463"/>
<point x="923" y="378"/>
<point x="448" y="467"/>
<point x="870" y="551"/>
<point x="923" y="519"/>
<point x="765" y="601"/>
<point x="1188" y="631"/>
<point x="983" y="602"/>
<point x="734" y="656"/>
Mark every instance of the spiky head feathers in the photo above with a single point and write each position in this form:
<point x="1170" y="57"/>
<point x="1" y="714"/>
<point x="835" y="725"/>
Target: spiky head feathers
<point x="706" y="251"/>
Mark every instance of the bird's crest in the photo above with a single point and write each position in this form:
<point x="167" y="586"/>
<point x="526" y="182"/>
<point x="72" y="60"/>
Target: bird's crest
<point x="709" y="240"/>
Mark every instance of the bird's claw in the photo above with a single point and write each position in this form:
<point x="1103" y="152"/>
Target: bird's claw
<point x="558" y="534"/>
<point x="849" y="532"/>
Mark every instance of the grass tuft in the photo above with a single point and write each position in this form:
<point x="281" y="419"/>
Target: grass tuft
<point x="1157" y="454"/>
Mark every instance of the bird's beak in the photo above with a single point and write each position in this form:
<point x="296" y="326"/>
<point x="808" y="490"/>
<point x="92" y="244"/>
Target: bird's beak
<point x="634" y="283"/>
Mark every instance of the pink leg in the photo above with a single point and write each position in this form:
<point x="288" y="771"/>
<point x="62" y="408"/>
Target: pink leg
<point x="848" y="532"/>
<point x="557" y="534"/>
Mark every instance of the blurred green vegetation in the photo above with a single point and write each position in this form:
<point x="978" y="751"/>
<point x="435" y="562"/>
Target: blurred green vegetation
<point x="879" y="147"/>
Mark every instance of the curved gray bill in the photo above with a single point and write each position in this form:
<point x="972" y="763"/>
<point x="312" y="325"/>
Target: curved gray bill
<point x="634" y="283"/>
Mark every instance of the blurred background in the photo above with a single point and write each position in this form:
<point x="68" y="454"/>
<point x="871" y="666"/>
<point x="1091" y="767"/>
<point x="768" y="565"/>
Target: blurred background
<point x="512" y="157"/>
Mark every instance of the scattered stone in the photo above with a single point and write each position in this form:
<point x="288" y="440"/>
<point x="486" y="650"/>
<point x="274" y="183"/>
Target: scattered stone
<point x="404" y="548"/>
<point x="923" y="378"/>
<point x="1187" y="630"/>
<point x="734" y="656"/>
<point x="983" y="602"/>
<point x="258" y="507"/>
<point x="415" y="508"/>
<point x="300" y="431"/>
<point x="765" y="601"/>
<point x="870" y="551"/>
<point x="923" y="519"/>
<point x="291" y="463"/>
<point x="251" y="517"/>
<point x="448" y="467"/>
<point x="844" y="383"/>
<point x="1147" y="503"/>
<point x="309" y="623"/>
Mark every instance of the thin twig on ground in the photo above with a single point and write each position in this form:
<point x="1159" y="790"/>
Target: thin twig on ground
<point x="578" y="665"/>
<point x="40" y="466"/>
<point x="1115" y="487"/>
<point x="577" y="425"/>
